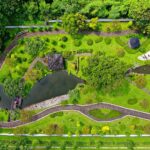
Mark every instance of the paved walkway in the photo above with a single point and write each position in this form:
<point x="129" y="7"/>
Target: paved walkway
<point x="83" y="109"/>
<point x="48" y="103"/>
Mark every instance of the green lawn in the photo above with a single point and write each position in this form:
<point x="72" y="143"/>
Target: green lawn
<point x="104" y="113"/>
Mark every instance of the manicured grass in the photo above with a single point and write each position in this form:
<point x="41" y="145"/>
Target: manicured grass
<point x="104" y="113"/>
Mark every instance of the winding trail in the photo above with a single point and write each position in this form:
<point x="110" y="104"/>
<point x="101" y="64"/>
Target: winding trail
<point x="83" y="109"/>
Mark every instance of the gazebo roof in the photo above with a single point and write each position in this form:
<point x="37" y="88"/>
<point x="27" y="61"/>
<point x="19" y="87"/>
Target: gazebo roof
<point x="134" y="43"/>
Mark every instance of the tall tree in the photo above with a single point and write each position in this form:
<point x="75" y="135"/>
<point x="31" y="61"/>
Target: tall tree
<point x="73" y="23"/>
<point x="140" y="11"/>
<point x="104" y="72"/>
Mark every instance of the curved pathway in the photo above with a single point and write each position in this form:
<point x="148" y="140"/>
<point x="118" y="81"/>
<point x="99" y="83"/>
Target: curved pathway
<point x="84" y="109"/>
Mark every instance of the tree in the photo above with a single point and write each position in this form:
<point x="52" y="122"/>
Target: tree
<point x="139" y="10"/>
<point x="104" y="72"/>
<point x="73" y="23"/>
<point x="93" y="24"/>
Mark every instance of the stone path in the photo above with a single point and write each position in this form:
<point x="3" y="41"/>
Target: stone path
<point x="83" y="109"/>
<point x="48" y="103"/>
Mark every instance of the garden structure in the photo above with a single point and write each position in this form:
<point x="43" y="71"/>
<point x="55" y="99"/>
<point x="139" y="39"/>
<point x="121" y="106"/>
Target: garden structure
<point x="134" y="43"/>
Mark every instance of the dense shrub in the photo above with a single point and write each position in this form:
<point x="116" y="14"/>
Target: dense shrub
<point x="140" y="81"/>
<point x="120" y="53"/>
<point x="99" y="39"/>
<point x="62" y="45"/>
<point x="90" y="42"/>
<point x="54" y="42"/>
<point x="64" y="39"/>
<point x="77" y="43"/>
<point x="47" y="40"/>
<point x="132" y="101"/>
<point x="107" y="40"/>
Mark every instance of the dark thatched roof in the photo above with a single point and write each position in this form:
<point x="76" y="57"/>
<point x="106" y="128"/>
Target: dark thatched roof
<point x="134" y="43"/>
<point x="55" y="62"/>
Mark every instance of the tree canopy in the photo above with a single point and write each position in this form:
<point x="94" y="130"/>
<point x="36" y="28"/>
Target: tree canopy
<point x="104" y="72"/>
<point x="73" y="23"/>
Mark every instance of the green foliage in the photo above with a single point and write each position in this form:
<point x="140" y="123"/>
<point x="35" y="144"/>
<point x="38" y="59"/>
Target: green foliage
<point x="74" y="96"/>
<point x="64" y="39"/>
<point x="139" y="10"/>
<point x="104" y="114"/>
<point x="99" y="39"/>
<point x="73" y="23"/>
<point x="140" y="81"/>
<point x="120" y="53"/>
<point x="104" y="72"/>
<point x="90" y="42"/>
<point x="77" y="43"/>
<point x="107" y="40"/>
<point x="132" y="101"/>
<point x="93" y="24"/>
<point x="57" y="114"/>
<point x="33" y="47"/>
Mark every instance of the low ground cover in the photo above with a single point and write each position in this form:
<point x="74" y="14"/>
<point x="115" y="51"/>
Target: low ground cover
<point x="104" y="113"/>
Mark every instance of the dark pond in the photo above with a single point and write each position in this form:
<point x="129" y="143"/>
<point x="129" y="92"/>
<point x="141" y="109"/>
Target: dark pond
<point x="52" y="85"/>
<point x="142" y="69"/>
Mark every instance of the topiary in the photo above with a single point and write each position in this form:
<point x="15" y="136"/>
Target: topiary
<point x="99" y="39"/>
<point x="90" y="42"/>
<point x="77" y="43"/>
<point x="107" y="40"/>
<point x="64" y="39"/>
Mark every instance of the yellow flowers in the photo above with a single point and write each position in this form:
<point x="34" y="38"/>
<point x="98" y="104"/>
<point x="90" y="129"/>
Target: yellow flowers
<point x="105" y="129"/>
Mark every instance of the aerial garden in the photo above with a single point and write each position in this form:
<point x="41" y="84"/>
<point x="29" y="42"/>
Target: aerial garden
<point x="103" y="66"/>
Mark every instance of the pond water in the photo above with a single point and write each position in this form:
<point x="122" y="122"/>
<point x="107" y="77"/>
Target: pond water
<point x="52" y="85"/>
<point x="142" y="69"/>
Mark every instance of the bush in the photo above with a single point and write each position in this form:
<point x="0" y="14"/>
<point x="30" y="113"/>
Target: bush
<point x="144" y="104"/>
<point x="90" y="42"/>
<point x="140" y="81"/>
<point x="64" y="39"/>
<point x="77" y="43"/>
<point x="47" y="40"/>
<point x="116" y="27"/>
<point x="120" y="53"/>
<point x="107" y="41"/>
<point x="130" y="23"/>
<point x="132" y="101"/>
<point x="54" y="42"/>
<point x="99" y="39"/>
<point x="62" y="45"/>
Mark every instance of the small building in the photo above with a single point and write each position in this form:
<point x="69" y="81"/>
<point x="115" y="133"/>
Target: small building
<point x="55" y="62"/>
<point x="134" y="43"/>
